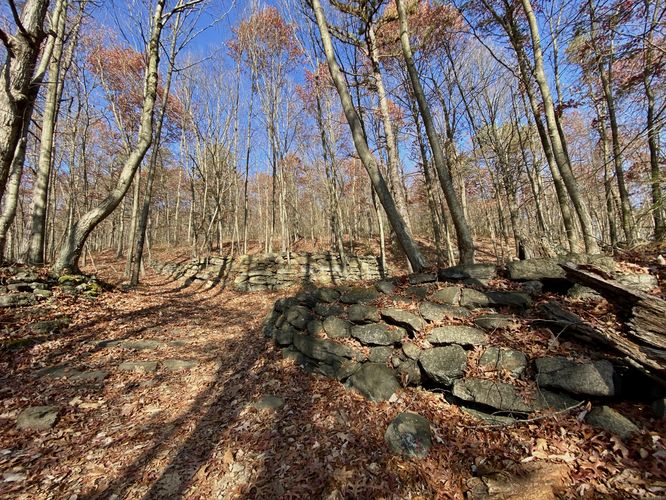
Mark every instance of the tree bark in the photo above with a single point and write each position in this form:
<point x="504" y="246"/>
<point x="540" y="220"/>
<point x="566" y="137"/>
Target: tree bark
<point x="72" y="247"/>
<point x="556" y="142"/>
<point x="398" y="225"/>
<point x="16" y="79"/>
<point x="465" y="243"/>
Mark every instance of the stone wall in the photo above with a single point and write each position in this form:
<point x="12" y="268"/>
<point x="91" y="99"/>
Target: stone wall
<point x="250" y="273"/>
<point x="461" y="336"/>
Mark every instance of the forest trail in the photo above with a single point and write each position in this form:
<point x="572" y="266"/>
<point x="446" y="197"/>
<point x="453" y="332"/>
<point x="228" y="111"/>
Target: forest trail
<point x="169" y="391"/>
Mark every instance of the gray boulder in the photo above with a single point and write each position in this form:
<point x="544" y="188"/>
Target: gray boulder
<point x="492" y="322"/>
<point x="409" y="372"/>
<point x="375" y="381"/>
<point x="336" y="327"/>
<point x="138" y="366"/>
<point x="377" y="334"/>
<point x="506" y="397"/>
<point x="592" y="379"/>
<point x="448" y="295"/>
<point x="315" y="327"/>
<point x="474" y="298"/>
<point x="285" y="335"/>
<point x="410" y="435"/>
<point x="328" y="310"/>
<point x="411" y="350"/>
<point x="467" y="271"/>
<point x="642" y="282"/>
<point x="497" y="359"/>
<point x="359" y="295"/>
<point x="437" y="312"/>
<point x="416" y="292"/>
<point x="38" y="418"/>
<point x="380" y="354"/>
<point x="540" y="269"/>
<point x="443" y="364"/>
<point x="457" y="334"/>
<point x="338" y="369"/>
<point x="177" y="365"/>
<point x="402" y="318"/>
<point x="604" y="417"/>
<point x="580" y="292"/>
<point x="269" y="402"/>
<point x="387" y="287"/>
<point x="363" y="314"/>
<point x="324" y="350"/>
<point x="299" y="316"/>
<point x="422" y="278"/>
<point x="328" y="294"/>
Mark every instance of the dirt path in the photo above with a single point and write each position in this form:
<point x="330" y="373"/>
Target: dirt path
<point x="187" y="425"/>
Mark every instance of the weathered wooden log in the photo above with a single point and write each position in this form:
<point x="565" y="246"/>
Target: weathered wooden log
<point x="644" y="314"/>
<point x="646" y="359"/>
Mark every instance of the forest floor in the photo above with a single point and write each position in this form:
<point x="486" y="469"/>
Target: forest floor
<point x="196" y="432"/>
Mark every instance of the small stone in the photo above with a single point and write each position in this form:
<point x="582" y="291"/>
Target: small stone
<point x="380" y="354"/>
<point x="37" y="418"/>
<point x="473" y="298"/>
<point x="328" y="294"/>
<point x="328" y="310"/>
<point x="387" y="287"/>
<point x="409" y="434"/>
<point x="409" y="371"/>
<point x="610" y="420"/>
<point x="43" y="293"/>
<point x="497" y="359"/>
<point x="269" y="402"/>
<point x="336" y="327"/>
<point x="438" y="312"/>
<point x="377" y="334"/>
<point x="315" y="327"/>
<point x="93" y="375"/>
<point x="449" y="295"/>
<point x="176" y="365"/>
<point x="402" y="318"/>
<point x="284" y="336"/>
<point x="581" y="292"/>
<point x="444" y="364"/>
<point x="492" y="322"/>
<point x="138" y="366"/>
<point x="140" y="345"/>
<point x="411" y="350"/>
<point x="532" y="288"/>
<point x="14" y="477"/>
<point x="457" y="334"/>
<point x="58" y="371"/>
<point x="299" y="316"/>
<point x="375" y="381"/>
<point x="50" y="326"/>
<point x="363" y="314"/>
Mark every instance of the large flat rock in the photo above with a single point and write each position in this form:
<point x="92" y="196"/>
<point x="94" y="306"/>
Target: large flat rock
<point x="506" y="397"/>
<point x="38" y="418"/>
<point x="404" y="319"/>
<point x="444" y="364"/>
<point x="377" y="334"/>
<point x="540" y="269"/>
<point x="457" y="334"/>
<point x="591" y="379"/>
<point x="375" y="381"/>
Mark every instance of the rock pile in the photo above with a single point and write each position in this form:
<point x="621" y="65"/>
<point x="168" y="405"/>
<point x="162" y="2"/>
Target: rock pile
<point x="451" y="338"/>
<point x="252" y="273"/>
<point x="24" y="286"/>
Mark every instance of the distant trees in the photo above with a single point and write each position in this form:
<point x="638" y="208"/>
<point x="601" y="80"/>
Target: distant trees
<point x="453" y="129"/>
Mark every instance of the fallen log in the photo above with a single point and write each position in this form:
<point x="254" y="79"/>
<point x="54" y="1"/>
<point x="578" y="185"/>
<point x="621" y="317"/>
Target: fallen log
<point x="646" y="359"/>
<point x="644" y="314"/>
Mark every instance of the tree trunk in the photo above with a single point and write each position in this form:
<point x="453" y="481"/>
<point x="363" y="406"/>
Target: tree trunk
<point x="70" y="252"/>
<point x="403" y="234"/>
<point x="35" y="244"/>
<point x="556" y="142"/>
<point x="16" y="79"/>
<point x="465" y="243"/>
